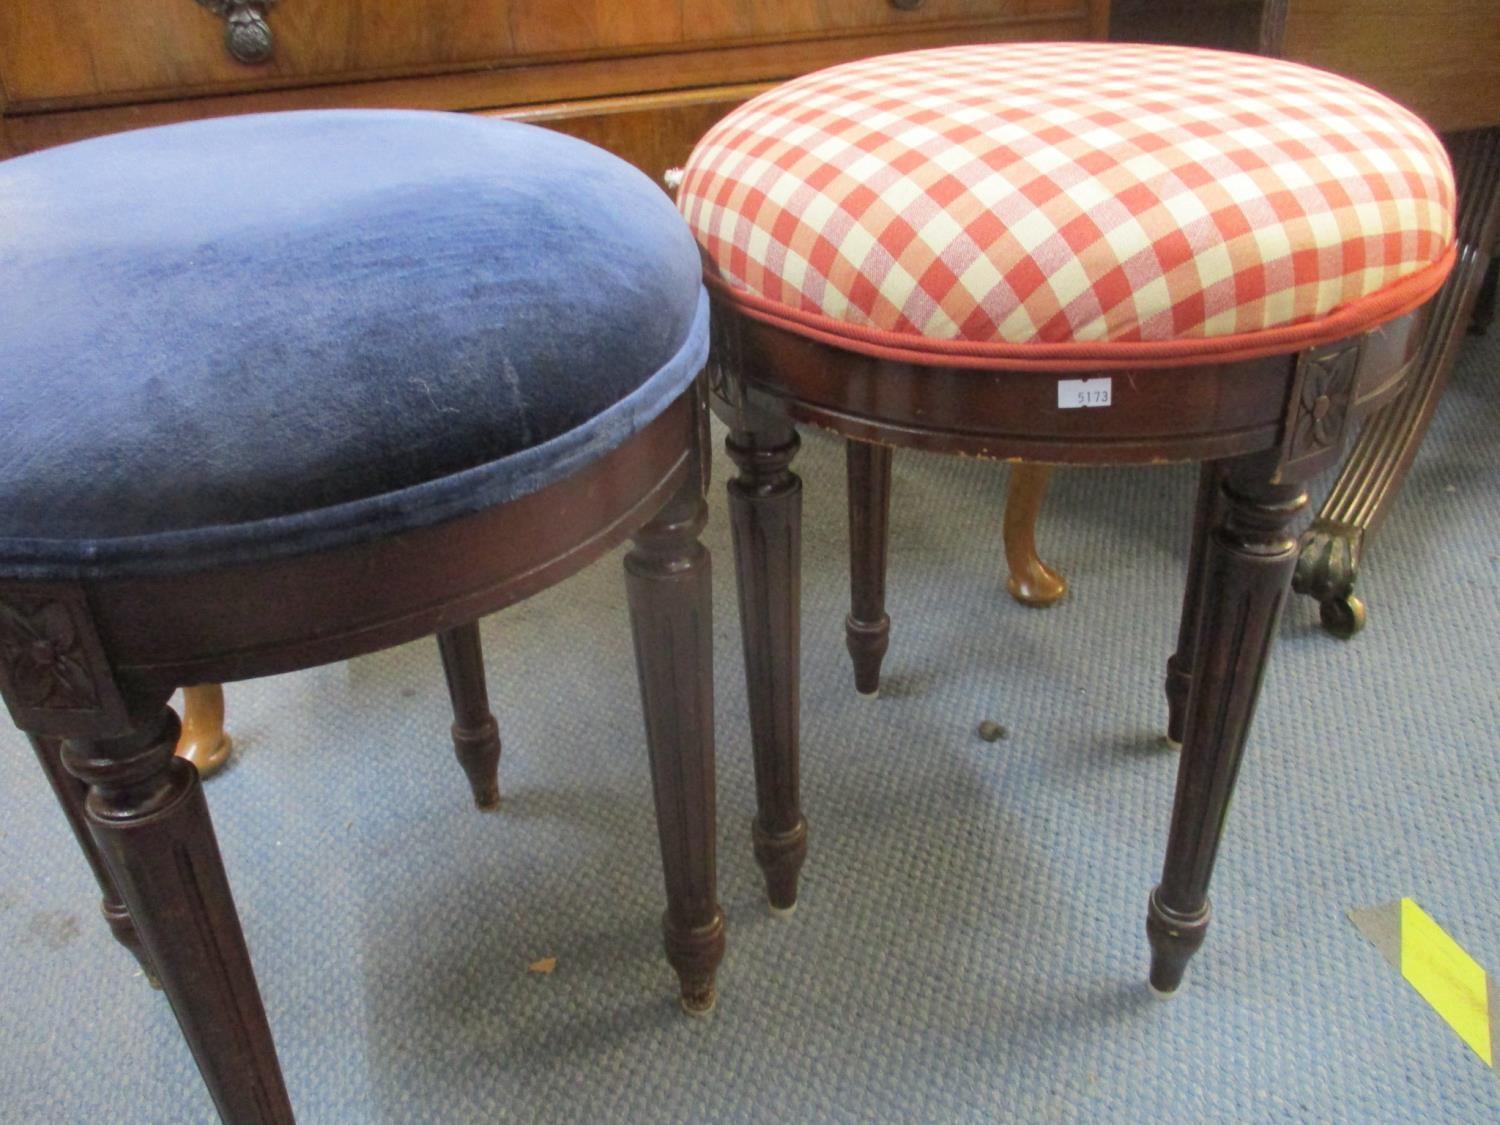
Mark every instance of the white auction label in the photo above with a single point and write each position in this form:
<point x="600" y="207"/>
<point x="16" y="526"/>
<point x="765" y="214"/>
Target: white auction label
<point x="1072" y="394"/>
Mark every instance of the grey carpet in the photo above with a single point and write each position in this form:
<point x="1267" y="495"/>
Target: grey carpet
<point x="970" y="941"/>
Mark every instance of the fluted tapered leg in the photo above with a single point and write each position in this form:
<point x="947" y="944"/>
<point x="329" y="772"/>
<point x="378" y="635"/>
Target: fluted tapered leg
<point x="1031" y="581"/>
<point x="667" y="578"/>
<point x="765" y="509"/>
<point x="476" y="734"/>
<point x="1180" y="665"/>
<point x="70" y="795"/>
<point x="1248" y="557"/>
<point x="867" y="629"/>
<point x="146" y="812"/>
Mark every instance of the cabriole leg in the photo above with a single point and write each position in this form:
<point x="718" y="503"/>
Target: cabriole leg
<point x="1031" y="581"/>
<point x="204" y="741"/>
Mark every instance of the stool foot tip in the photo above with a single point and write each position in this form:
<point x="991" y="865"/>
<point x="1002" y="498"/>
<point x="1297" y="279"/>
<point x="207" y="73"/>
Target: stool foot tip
<point x="700" y="1006"/>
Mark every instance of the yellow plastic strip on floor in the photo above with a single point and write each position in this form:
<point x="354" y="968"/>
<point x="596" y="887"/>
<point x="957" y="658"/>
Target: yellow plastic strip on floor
<point x="1435" y="965"/>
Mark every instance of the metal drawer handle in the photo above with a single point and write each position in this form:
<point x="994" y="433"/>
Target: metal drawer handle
<point x="907" y="5"/>
<point x="247" y="35"/>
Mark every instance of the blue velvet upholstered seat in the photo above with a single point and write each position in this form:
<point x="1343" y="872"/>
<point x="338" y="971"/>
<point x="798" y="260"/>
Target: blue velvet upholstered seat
<point x="253" y="337"/>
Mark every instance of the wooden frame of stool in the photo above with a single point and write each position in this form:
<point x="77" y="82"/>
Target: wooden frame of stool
<point x="1260" y="428"/>
<point x="87" y="668"/>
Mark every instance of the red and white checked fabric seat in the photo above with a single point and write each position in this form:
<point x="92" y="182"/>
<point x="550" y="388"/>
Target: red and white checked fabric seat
<point x="1061" y="205"/>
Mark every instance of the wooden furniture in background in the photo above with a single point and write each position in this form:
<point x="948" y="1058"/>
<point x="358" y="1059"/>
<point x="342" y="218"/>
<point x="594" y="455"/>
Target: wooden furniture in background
<point x="1442" y="59"/>
<point x="204" y="741"/>
<point x="1031" y="581"/>
<point x="643" y="80"/>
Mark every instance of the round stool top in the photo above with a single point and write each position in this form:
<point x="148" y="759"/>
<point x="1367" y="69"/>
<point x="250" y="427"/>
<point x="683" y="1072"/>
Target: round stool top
<point x="257" y="336"/>
<point x="1072" y="205"/>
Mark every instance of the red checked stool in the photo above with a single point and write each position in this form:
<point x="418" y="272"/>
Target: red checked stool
<point x="1067" y="253"/>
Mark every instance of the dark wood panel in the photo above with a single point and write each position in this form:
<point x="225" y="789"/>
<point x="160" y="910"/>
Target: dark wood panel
<point x="1440" y="57"/>
<point x="70" y="53"/>
<point x="1230" y="25"/>
<point x="654" y="132"/>
<point x="538" y="87"/>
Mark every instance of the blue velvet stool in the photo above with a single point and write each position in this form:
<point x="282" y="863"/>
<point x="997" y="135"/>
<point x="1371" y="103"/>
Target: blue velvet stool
<point x="280" y="390"/>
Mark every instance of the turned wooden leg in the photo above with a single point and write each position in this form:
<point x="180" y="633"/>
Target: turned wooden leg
<point x="70" y="795"/>
<point x="1032" y="582"/>
<point x="765" y="510"/>
<point x="667" y="578"/>
<point x="867" y="629"/>
<point x="476" y="734"/>
<point x="1206" y="514"/>
<point x="146" y="811"/>
<point x="204" y="741"/>
<point x="1247" y="566"/>
<point x="1371" y="477"/>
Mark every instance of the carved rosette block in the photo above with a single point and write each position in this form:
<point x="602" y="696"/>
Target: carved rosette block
<point x="53" y="673"/>
<point x="1320" y="407"/>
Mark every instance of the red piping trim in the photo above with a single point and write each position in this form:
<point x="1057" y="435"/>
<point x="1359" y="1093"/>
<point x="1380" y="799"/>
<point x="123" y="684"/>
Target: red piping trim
<point x="1397" y="299"/>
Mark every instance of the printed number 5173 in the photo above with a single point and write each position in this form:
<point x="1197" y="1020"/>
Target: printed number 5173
<point x="1074" y="394"/>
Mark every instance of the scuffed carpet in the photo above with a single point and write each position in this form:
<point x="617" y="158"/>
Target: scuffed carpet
<point x="969" y="943"/>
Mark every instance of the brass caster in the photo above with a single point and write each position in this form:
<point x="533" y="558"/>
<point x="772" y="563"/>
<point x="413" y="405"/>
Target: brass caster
<point x="1342" y="617"/>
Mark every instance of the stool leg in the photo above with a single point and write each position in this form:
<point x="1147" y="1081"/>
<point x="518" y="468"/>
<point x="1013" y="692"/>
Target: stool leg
<point x="668" y="581"/>
<point x="765" y="510"/>
<point x="146" y="811"/>
<point x="204" y="741"/>
<point x="1484" y="304"/>
<point x="1248" y="558"/>
<point x="1206" y="513"/>
<point x="867" y="629"/>
<point x="70" y="795"/>
<point x="1031" y="582"/>
<point x="476" y="734"/>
